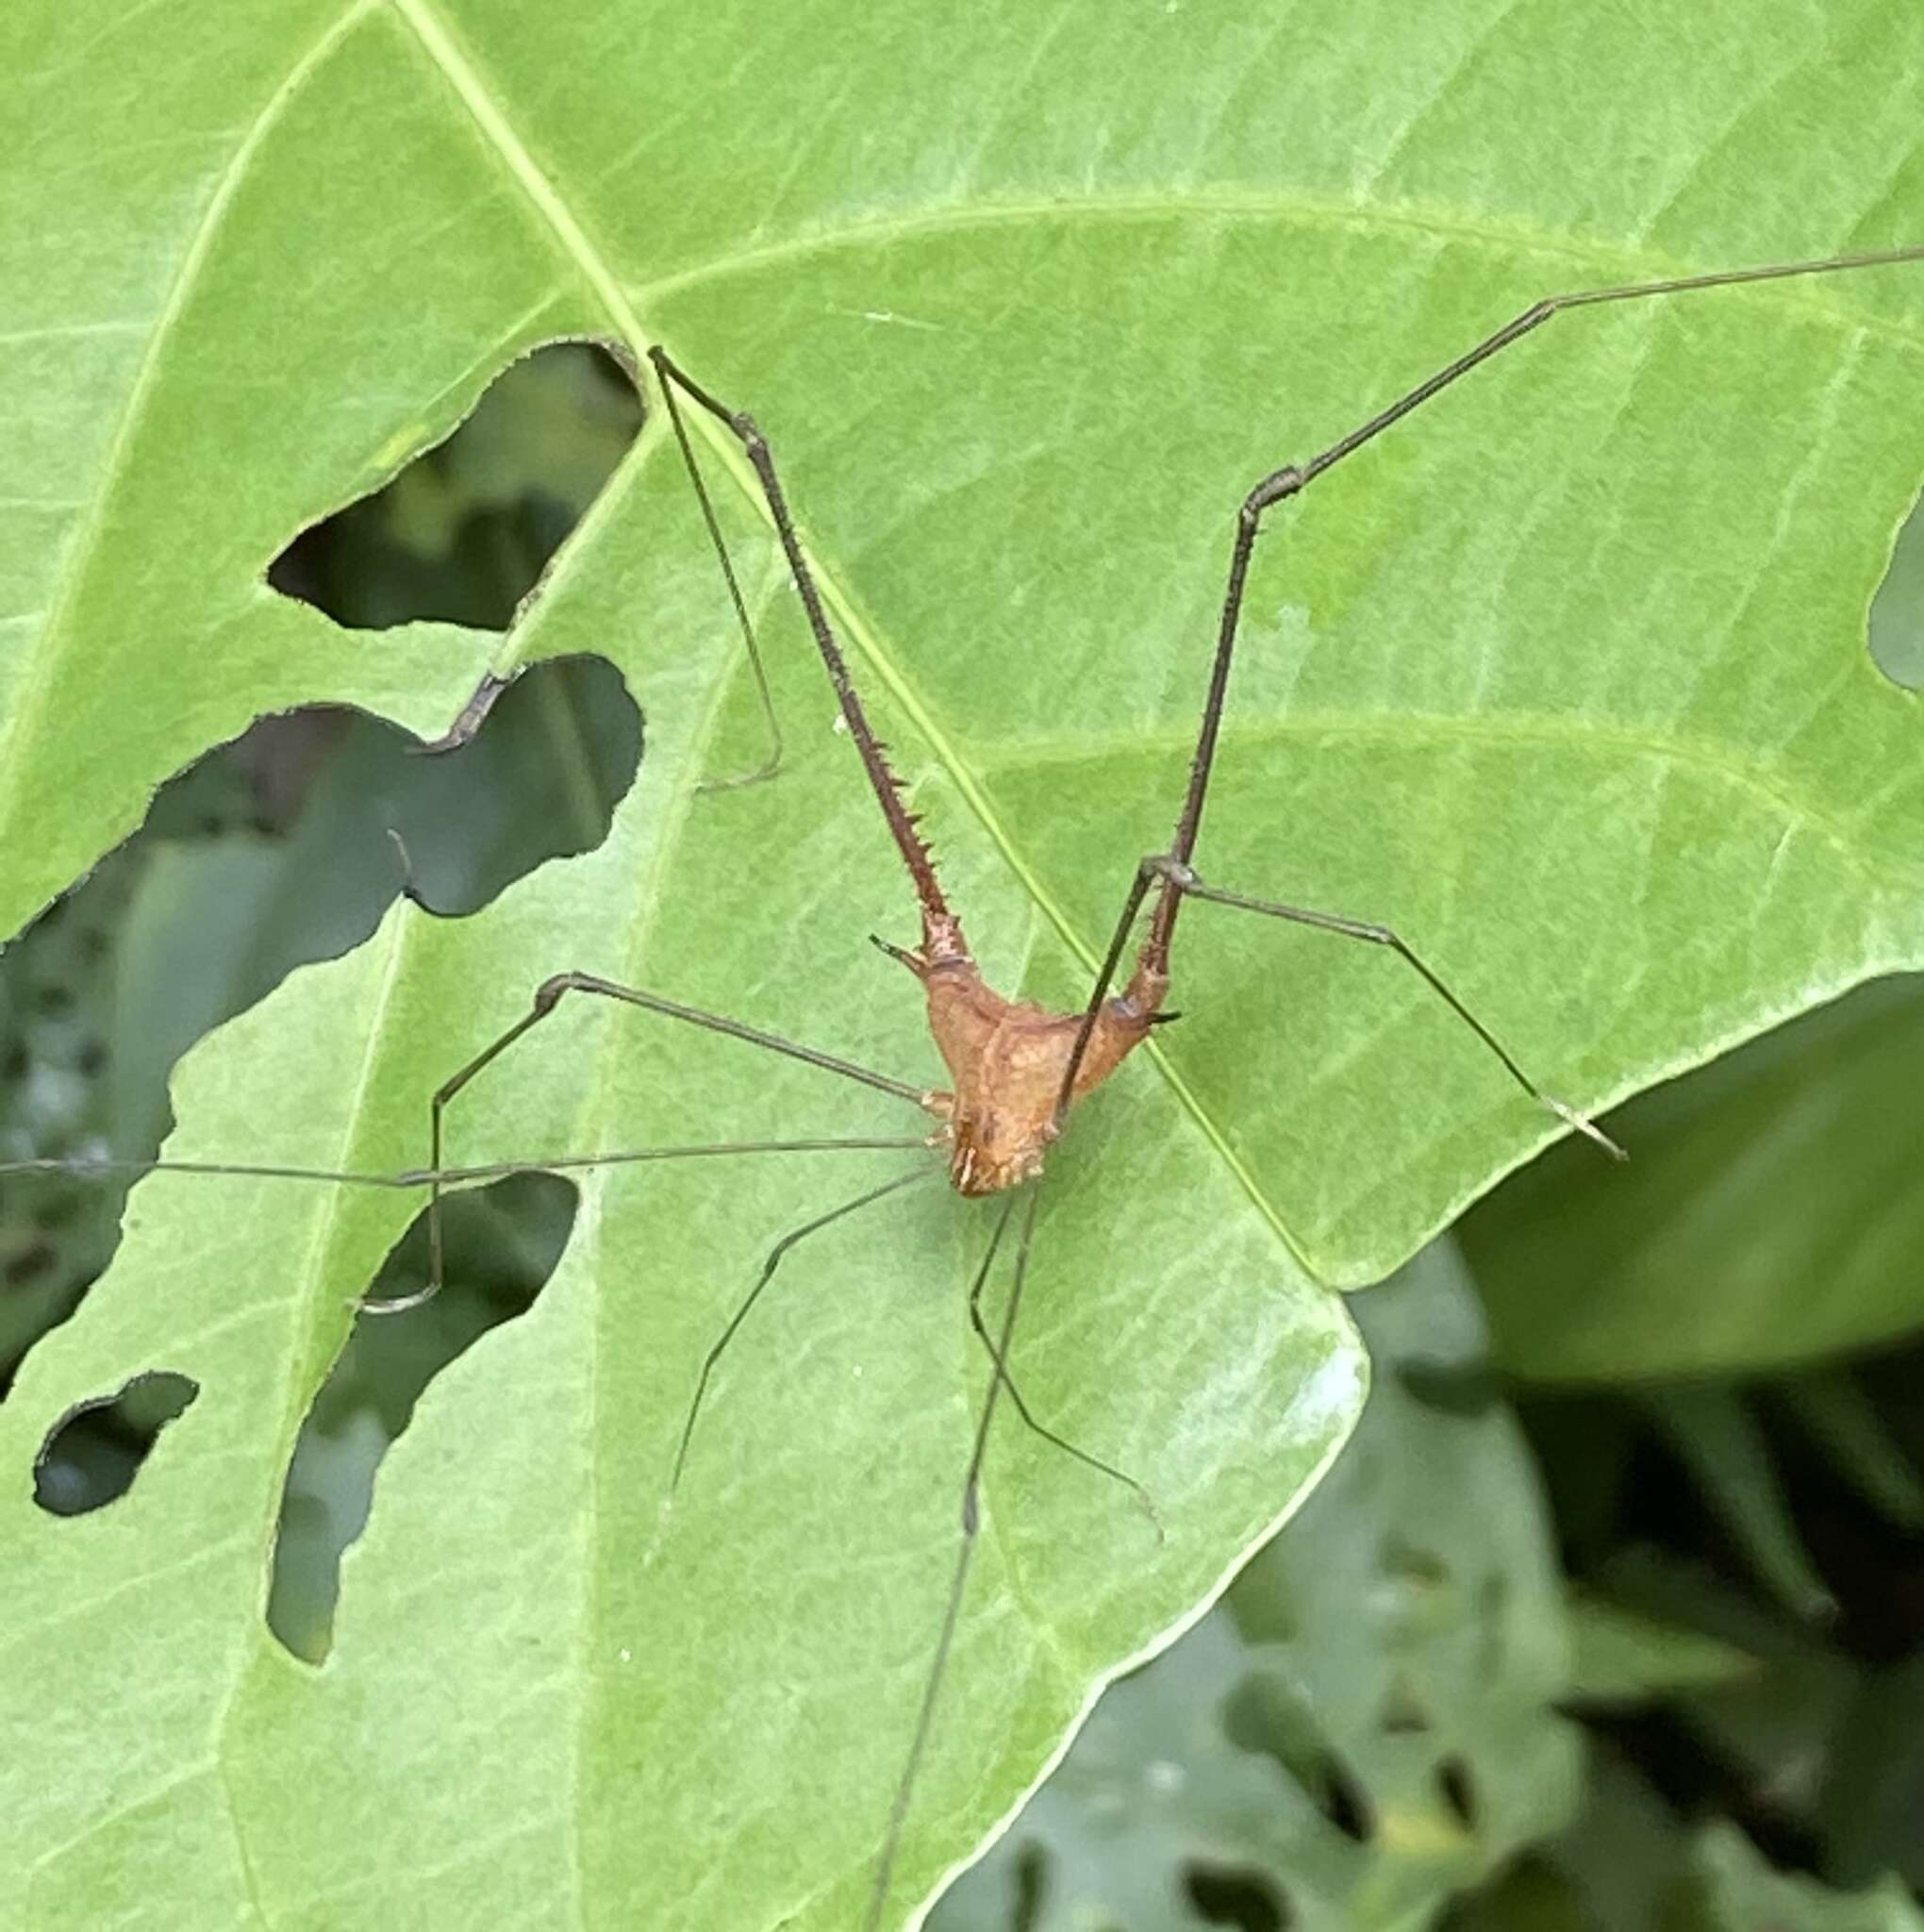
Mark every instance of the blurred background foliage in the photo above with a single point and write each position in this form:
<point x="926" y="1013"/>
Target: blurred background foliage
<point x="1609" y="1617"/>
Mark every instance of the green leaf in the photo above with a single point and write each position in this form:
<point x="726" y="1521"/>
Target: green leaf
<point x="1736" y="1891"/>
<point x="1622" y="1853"/>
<point x="1636" y="1865"/>
<point x="1769" y="1215"/>
<point x="1567" y="679"/>
<point x="1622" y="1657"/>
<point x="1723" y="1447"/>
<point x="1875" y="1778"/>
<point x="1525" y="1897"/>
<point x="1845" y="1423"/>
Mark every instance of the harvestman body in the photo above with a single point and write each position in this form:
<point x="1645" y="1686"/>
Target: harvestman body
<point x="1015" y="1068"/>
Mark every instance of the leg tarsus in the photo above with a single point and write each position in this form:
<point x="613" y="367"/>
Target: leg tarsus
<point x="773" y="763"/>
<point x="1572" y="1117"/>
<point x="1144" y="1501"/>
<point x="775" y="1256"/>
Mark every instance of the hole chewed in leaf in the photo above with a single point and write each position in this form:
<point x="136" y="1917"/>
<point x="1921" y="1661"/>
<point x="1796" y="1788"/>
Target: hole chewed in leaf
<point x="503" y="1242"/>
<point x="91" y="1456"/>
<point x="1405" y="1562"/>
<point x="1031" y="1888"/>
<point x="27" y="1263"/>
<point x="1404" y="1713"/>
<point x="464" y="532"/>
<point x="1340" y="1797"/>
<point x="287" y="845"/>
<point x="1450" y="1387"/>
<point x="1457" y="1788"/>
<point x="1264" y="1716"/>
<point x="1228" y="1895"/>
<point x="1897" y="612"/>
<point x="538" y="779"/>
<point x="202" y="913"/>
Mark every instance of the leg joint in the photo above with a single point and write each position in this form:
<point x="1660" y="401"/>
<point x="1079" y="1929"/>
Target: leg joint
<point x="548" y="995"/>
<point x="1273" y="489"/>
<point x="1160" y="865"/>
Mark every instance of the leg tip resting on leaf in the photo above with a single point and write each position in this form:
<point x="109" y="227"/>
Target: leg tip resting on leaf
<point x="1586" y="1126"/>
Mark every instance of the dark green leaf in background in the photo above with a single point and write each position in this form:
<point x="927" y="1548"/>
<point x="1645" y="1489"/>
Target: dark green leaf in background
<point x="1770" y="1213"/>
<point x="1736" y="1891"/>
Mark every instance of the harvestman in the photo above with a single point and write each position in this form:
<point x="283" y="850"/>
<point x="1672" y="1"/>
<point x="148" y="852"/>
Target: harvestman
<point x="1015" y="1068"/>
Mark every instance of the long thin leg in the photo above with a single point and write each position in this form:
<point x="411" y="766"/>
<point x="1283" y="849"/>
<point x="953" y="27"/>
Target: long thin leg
<point x="408" y="1178"/>
<point x="790" y="1241"/>
<point x="941" y="931"/>
<point x="1152" y="967"/>
<point x="773" y="763"/>
<point x="548" y="995"/>
<point x="1105" y="978"/>
<point x="1145" y="1502"/>
<point x="1293" y="479"/>
<point x="1182" y="880"/>
<point x="1190" y="887"/>
<point x="924" y="1724"/>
